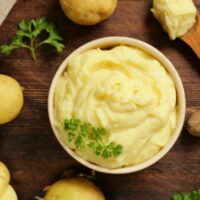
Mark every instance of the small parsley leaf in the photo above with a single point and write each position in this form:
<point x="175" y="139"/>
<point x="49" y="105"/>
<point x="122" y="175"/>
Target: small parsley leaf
<point x="195" y="195"/>
<point x="117" y="150"/>
<point x="26" y="37"/>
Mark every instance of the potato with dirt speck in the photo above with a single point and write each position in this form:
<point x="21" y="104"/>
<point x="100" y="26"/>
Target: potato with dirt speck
<point x="194" y="123"/>
<point x="88" y="12"/>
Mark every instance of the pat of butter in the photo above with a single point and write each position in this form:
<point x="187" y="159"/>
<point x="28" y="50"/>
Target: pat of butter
<point x="176" y="16"/>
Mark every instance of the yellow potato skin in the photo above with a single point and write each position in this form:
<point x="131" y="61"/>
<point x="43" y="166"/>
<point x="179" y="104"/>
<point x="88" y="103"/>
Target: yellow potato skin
<point x="88" y="12"/>
<point x="4" y="178"/>
<point x="74" y="189"/>
<point x="11" y="99"/>
<point x="9" y="194"/>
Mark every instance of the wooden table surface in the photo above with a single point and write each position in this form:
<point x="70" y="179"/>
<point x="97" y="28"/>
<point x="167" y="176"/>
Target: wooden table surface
<point x="28" y="146"/>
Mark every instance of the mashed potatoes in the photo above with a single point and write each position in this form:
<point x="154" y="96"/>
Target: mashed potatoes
<point x="125" y="90"/>
<point x="176" y="16"/>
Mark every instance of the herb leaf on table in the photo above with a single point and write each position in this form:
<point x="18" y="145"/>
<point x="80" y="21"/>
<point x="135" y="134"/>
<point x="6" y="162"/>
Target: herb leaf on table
<point x="195" y="195"/>
<point x="28" y="33"/>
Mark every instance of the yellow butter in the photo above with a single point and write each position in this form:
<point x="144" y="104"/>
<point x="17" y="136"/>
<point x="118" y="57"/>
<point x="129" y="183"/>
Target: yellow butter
<point x="176" y="16"/>
<point x="125" y="90"/>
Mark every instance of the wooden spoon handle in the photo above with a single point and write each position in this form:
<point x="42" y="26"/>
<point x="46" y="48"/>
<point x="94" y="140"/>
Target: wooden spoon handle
<point x="192" y="37"/>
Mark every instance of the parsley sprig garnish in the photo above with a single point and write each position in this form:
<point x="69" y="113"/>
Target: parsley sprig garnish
<point x="84" y="135"/>
<point x="27" y="37"/>
<point x="195" y="195"/>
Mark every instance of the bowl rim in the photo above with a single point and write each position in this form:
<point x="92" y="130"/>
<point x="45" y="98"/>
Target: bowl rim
<point x="111" y="42"/>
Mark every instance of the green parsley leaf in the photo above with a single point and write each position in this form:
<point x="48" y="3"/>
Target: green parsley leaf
<point x="97" y="133"/>
<point x="117" y="150"/>
<point x="98" y="149"/>
<point x="71" y="136"/>
<point x="79" y="142"/>
<point x="84" y="128"/>
<point x="195" y="195"/>
<point x="71" y="124"/>
<point x="26" y="37"/>
<point x="84" y="135"/>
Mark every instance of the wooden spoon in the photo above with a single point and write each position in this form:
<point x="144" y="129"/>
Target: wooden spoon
<point x="192" y="37"/>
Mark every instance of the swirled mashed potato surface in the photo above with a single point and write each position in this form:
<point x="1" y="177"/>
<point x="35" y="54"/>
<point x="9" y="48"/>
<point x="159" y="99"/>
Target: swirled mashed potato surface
<point x="125" y="90"/>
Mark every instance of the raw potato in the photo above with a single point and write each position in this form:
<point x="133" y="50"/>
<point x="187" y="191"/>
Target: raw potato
<point x="194" y="124"/>
<point x="9" y="194"/>
<point x="78" y="188"/>
<point x="6" y="191"/>
<point x="88" y="12"/>
<point x="11" y="99"/>
<point x="4" y="178"/>
<point x="3" y="186"/>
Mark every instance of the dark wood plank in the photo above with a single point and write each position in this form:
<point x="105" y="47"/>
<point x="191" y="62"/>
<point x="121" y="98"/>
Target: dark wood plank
<point x="28" y="146"/>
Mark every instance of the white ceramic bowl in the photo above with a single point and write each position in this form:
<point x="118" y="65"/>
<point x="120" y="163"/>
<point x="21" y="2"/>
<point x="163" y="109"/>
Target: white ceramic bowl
<point x="110" y="42"/>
